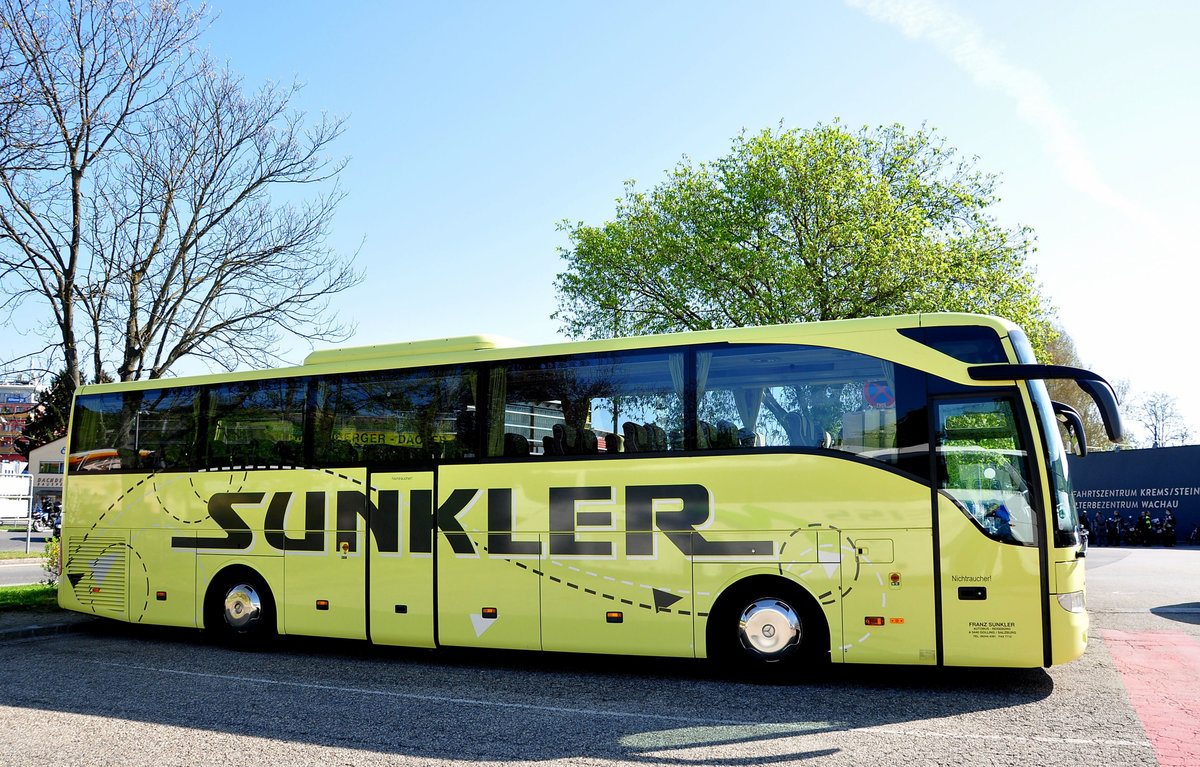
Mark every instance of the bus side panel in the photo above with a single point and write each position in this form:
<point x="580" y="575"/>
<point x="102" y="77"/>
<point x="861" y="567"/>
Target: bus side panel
<point x="889" y="613"/>
<point x="87" y="540"/>
<point x="486" y="597"/>
<point x="162" y="579"/>
<point x="131" y="539"/>
<point x="286" y="526"/>
<point x="651" y="596"/>
<point x="324" y="577"/>
<point x="991" y="596"/>
<point x="401" y="568"/>
<point x="485" y="600"/>
<point x="813" y="507"/>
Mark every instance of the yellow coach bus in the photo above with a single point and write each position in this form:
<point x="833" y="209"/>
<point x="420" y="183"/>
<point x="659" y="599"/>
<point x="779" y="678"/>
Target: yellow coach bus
<point x="888" y="490"/>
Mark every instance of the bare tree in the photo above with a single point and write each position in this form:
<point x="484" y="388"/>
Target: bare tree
<point x="80" y="73"/>
<point x="203" y="262"/>
<point x="1164" y="424"/>
<point x="139" y="213"/>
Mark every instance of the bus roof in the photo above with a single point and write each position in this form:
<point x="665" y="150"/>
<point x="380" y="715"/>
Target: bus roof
<point x="482" y="348"/>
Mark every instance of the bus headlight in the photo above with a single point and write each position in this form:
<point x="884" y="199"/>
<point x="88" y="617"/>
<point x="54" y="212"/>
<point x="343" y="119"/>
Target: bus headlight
<point x="1073" y="602"/>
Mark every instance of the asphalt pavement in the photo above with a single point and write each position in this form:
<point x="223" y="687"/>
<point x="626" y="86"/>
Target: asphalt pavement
<point x="136" y="695"/>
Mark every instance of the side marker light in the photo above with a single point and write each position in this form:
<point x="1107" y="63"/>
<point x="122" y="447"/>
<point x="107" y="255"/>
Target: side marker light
<point x="873" y="620"/>
<point x="614" y="617"/>
<point x="322" y="604"/>
<point x="491" y="613"/>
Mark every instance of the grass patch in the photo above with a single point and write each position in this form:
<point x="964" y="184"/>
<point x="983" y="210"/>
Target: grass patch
<point x="38" y="596"/>
<point x="35" y="550"/>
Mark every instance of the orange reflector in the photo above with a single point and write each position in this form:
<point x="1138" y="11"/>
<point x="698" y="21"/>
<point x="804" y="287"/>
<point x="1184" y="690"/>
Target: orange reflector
<point x="614" y="617"/>
<point x="897" y="620"/>
<point x="322" y="604"/>
<point x="874" y="620"/>
<point x="95" y="590"/>
<point x="491" y="612"/>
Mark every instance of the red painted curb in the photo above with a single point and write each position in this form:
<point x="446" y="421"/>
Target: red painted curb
<point x="1161" y="672"/>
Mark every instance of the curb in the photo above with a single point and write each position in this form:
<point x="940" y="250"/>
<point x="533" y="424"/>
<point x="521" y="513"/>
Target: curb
<point x="29" y="632"/>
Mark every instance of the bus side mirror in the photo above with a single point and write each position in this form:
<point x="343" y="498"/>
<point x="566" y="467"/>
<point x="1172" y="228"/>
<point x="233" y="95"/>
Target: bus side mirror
<point x="1074" y="423"/>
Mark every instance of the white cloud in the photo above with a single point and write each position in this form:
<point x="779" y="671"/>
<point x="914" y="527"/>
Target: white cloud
<point x="959" y="39"/>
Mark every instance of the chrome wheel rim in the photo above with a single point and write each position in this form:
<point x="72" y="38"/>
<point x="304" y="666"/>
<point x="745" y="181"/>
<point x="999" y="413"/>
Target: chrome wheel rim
<point x="769" y="628"/>
<point x="242" y="606"/>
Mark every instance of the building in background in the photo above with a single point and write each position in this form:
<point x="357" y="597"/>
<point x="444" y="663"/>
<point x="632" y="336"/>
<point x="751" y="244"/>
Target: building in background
<point x="46" y="465"/>
<point x="1129" y="482"/>
<point x="17" y="400"/>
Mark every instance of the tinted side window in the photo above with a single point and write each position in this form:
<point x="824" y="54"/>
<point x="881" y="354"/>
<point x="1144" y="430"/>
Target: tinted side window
<point x="395" y="417"/>
<point x="811" y="397"/>
<point x="256" y="423"/>
<point x="588" y="405"/>
<point x="974" y="344"/>
<point x="154" y="430"/>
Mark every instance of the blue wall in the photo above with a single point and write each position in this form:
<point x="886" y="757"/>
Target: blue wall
<point x="1128" y="481"/>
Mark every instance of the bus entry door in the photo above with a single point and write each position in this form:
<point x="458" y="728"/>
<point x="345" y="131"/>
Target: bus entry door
<point x="988" y="531"/>
<point x="400" y="565"/>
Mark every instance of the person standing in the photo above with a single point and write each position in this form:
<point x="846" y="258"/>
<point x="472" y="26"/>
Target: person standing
<point x="1114" y="530"/>
<point x="1168" y="529"/>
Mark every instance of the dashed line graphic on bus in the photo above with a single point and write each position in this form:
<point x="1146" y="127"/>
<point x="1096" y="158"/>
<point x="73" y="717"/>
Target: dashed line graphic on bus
<point x="664" y="597"/>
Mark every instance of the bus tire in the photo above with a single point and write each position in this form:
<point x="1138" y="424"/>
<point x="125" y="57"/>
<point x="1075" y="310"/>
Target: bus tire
<point x="239" y="609"/>
<point x="768" y="623"/>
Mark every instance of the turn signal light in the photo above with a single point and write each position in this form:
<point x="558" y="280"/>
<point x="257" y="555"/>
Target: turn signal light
<point x="874" y="621"/>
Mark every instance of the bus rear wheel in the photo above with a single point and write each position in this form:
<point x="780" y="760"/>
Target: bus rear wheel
<point x="768" y="624"/>
<point x="239" y="609"/>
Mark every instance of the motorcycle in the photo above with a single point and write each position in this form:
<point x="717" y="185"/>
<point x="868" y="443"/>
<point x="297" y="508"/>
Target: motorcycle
<point x="42" y="520"/>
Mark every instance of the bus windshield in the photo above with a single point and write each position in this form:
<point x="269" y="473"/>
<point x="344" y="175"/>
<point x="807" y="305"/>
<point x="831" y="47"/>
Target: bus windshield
<point x="1062" y="501"/>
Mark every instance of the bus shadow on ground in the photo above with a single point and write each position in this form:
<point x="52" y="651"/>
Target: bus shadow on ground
<point x="1187" y="612"/>
<point x="508" y="705"/>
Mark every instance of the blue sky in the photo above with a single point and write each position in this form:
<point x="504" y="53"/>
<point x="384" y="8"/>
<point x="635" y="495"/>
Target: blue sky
<point x="475" y="127"/>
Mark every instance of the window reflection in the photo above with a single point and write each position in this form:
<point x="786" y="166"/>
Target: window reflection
<point x="257" y="423"/>
<point x="599" y="404"/>
<point x="150" y="429"/>
<point x="810" y="397"/>
<point x="395" y="417"/>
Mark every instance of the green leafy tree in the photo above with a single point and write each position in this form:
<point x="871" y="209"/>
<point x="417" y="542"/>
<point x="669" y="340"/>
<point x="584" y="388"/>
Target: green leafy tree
<point x="50" y="416"/>
<point x="797" y="226"/>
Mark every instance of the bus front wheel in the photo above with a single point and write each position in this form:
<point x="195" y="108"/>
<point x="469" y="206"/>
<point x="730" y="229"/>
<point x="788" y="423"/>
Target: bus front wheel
<point x="768" y="623"/>
<point x="239" y="608"/>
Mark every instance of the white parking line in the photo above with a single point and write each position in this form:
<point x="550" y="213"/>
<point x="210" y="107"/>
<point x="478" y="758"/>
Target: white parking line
<point x="427" y="698"/>
<point x="774" y="726"/>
